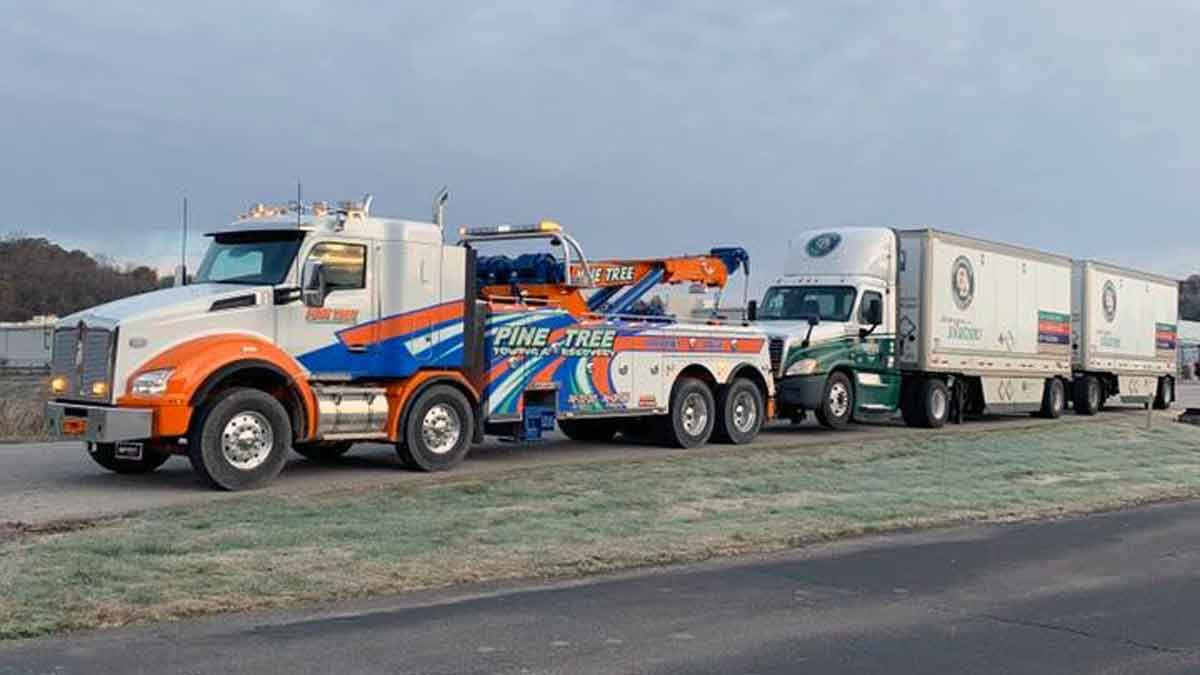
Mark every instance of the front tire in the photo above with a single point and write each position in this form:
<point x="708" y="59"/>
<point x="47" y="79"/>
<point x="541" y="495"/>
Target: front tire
<point x="837" y="402"/>
<point x="105" y="454"/>
<point x="438" y="433"/>
<point x="240" y="440"/>
<point x="692" y="416"/>
<point x="1087" y="396"/>
<point x="739" y="413"/>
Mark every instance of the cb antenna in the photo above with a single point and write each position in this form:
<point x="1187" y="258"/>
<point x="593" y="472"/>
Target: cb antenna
<point x="439" y="206"/>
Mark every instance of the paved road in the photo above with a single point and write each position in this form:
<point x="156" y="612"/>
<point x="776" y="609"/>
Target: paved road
<point x="42" y="482"/>
<point x="1114" y="593"/>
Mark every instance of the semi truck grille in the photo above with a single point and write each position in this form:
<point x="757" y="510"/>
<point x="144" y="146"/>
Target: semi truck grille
<point x="776" y="347"/>
<point x="84" y="356"/>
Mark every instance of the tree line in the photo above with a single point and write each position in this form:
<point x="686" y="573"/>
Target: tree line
<point x="39" y="277"/>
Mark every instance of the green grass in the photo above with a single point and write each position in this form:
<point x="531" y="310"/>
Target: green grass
<point x="258" y="552"/>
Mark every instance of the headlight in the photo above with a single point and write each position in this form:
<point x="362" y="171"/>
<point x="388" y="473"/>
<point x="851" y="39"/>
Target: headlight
<point x="58" y="385"/>
<point x="152" y="383"/>
<point x="802" y="367"/>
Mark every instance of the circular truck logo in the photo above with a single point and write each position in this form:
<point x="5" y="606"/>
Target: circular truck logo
<point x="1109" y="298"/>
<point x="823" y="244"/>
<point x="962" y="282"/>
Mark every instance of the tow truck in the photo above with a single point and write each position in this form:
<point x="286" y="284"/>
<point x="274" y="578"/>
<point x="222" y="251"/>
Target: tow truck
<point x="313" y="327"/>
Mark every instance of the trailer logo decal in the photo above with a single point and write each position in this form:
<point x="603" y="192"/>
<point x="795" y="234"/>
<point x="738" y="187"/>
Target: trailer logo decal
<point x="823" y="244"/>
<point x="1109" y="300"/>
<point x="962" y="282"/>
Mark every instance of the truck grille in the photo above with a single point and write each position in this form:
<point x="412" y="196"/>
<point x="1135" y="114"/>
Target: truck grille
<point x="84" y="356"/>
<point x="776" y="347"/>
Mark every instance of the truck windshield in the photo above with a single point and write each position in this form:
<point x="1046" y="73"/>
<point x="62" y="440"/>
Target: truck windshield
<point x="786" y="303"/>
<point x="257" y="258"/>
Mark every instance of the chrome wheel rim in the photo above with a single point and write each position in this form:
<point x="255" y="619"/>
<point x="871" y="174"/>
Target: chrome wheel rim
<point x="937" y="403"/>
<point x="745" y="411"/>
<point x="1056" y="398"/>
<point x="694" y="414"/>
<point x="247" y="440"/>
<point x="839" y="399"/>
<point x="441" y="429"/>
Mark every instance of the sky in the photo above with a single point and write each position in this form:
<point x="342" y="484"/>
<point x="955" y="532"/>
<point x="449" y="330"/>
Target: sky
<point x="647" y="127"/>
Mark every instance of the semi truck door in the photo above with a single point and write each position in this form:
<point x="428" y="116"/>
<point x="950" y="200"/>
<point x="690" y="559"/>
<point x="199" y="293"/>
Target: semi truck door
<point x="877" y="387"/>
<point x="339" y="339"/>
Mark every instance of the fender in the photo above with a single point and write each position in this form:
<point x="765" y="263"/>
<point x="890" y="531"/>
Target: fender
<point x="199" y="365"/>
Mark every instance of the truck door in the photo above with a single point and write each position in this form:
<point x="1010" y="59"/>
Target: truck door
<point x="337" y="340"/>
<point x="877" y="386"/>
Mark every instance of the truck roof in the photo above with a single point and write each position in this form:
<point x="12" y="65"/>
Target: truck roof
<point x="987" y="244"/>
<point x="367" y="227"/>
<point x="1137" y="274"/>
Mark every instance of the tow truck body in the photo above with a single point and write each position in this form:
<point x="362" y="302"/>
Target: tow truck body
<point x="315" y="327"/>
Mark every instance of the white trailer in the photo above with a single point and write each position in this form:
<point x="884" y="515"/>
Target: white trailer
<point x="1124" y="336"/>
<point x="992" y="321"/>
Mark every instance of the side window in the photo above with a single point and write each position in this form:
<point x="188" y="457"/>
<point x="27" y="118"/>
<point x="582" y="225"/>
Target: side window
<point x="867" y="297"/>
<point x="345" y="264"/>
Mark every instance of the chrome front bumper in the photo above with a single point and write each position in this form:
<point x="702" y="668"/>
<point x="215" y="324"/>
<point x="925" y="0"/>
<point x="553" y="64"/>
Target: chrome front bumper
<point x="97" y="424"/>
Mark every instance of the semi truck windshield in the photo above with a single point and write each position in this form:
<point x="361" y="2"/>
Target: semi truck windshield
<point x="787" y="303"/>
<point x="256" y="258"/>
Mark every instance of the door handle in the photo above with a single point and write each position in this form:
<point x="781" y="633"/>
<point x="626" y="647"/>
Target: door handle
<point x="357" y="347"/>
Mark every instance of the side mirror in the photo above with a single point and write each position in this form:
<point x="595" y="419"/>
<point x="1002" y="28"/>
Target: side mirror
<point x="812" y="310"/>
<point x="312" y="284"/>
<point x="752" y="310"/>
<point x="873" y="312"/>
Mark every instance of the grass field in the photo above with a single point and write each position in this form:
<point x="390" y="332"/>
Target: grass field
<point x="259" y="552"/>
<point x="21" y="412"/>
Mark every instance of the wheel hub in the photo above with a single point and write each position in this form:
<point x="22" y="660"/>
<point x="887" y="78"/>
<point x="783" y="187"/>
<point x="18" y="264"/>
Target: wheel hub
<point x="441" y="429"/>
<point x="694" y="414"/>
<point x="839" y="399"/>
<point x="247" y="440"/>
<point x="745" y="412"/>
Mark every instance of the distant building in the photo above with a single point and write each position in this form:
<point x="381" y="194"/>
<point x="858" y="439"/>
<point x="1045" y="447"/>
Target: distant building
<point x="26" y="345"/>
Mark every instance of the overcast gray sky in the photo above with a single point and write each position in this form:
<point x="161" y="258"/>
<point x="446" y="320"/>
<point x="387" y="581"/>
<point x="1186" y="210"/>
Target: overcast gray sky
<point x="646" y="127"/>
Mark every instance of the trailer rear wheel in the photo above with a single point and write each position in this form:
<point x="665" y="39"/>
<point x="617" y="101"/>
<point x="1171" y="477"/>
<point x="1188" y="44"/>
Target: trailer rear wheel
<point x="1164" y="396"/>
<point x="739" y="412"/>
<point x="690" y="422"/>
<point x="588" y="431"/>
<point x="323" y="452"/>
<point x="240" y="440"/>
<point x="1054" y="399"/>
<point x="929" y="407"/>
<point x="105" y="454"/>
<point x="837" y="402"/>
<point x="1087" y="396"/>
<point x="438" y="432"/>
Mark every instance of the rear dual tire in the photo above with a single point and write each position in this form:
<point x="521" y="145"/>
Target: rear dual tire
<point x="439" y="429"/>
<point x="740" y="412"/>
<point x="1054" y="399"/>
<point x="1088" y="395"/>
<point x="926" y="403"/>
<point x="1165" y="394"/>
<point x="692" y="416"/>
